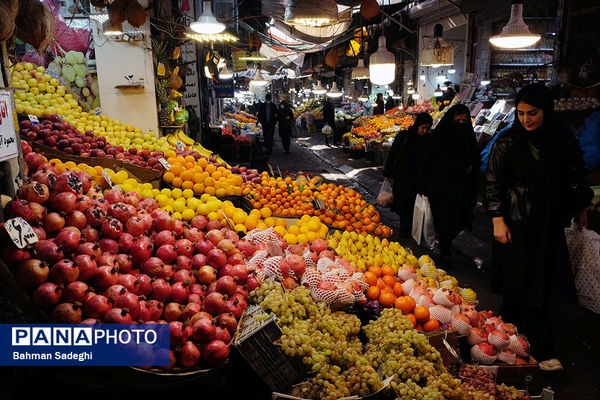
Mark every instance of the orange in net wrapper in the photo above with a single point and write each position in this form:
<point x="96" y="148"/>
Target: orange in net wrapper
<point x="357" y="277"/>
<point x="342" y="273"/>
<point x="425" y="301"/>
<point x="332" y="277"/>
<point x="344" y="297"/>
<point x="478" y="353"/>
<point x="441" y="313"/>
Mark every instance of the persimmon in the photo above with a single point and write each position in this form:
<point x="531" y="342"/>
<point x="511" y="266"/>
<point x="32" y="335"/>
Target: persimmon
<point x="412" y="319"/>
<point x="388" y="270"/>
<point x="421" y="313"/>
<point x="376" y="270"/>
<point x="387" y="298"/>
<point x="431" y="325"/>
<point x="397" y="289"/>
<point x="389" y="280"/>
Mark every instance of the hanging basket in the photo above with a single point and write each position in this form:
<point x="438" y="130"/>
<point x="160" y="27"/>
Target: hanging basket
<point x="35" y="24"/>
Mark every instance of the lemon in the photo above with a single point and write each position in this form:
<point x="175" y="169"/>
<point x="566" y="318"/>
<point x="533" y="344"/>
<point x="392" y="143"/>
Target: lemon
<point x="305" y="218"/>
<point x="176" y="193"/>
<point x="177" y="215"/>
<point x="240" y="228"/>
<point x="205" y="197"/>
<point x="294" y="229"/>
<point x="168" y="208"/>
<point x="162" y="200"/>
<point x="213" y="216"/>
<point x="203" y="209"/>
<point x="270" y="222"/>
<point x="290" y="238"/>
<point x="120" y="177"/>
<point x="147" y="194"/>
<point x="193" y="203"/>
<point x="188" y="214"/>
<point x="302" y="238"/>
<point x="188" y="193"/>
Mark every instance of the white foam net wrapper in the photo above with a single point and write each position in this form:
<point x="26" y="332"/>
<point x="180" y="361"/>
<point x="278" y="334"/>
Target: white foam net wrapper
<point x="272" y="267"/>
<point x="320" y="295"/>
<point x="480" y="357"/>
<point x="311" y="277"/>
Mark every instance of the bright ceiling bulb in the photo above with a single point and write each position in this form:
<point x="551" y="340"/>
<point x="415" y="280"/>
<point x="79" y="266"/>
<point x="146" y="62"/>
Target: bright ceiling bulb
<point x="311" y="13"/>
<point x="334" y="91"/>
<point x="225" y="73"/>
<point x="485" y="82"/>
<point x="515" y="33"/>
<point x="319" y="89"/>
<point x="360" y="72"/>
<point x="382" y="65"/>
<point x="415" y="96"/>
<point x="207" y="24"/>
<point x="410" y="90"/>
<point x="258" y="79"/>
<point x="410" y="82"/>
<point x="438" y="92"/>
<point x="422" y="77"/>
<point x="451" y="71"/>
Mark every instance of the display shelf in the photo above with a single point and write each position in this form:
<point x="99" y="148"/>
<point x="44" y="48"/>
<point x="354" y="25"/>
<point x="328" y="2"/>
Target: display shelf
<point x="517" y="65"/>
<point x="524" y="50"/>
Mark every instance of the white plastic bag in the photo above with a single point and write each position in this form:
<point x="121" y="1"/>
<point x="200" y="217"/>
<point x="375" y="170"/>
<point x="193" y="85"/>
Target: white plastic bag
<point x="385" y="198"/>
<point x="422" y="226"/>
<point x="584" y="249"/>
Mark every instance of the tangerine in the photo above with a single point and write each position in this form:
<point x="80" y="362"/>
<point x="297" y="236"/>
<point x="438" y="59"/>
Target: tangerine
<point x="388" y="270"/>
<point x="412" y="319"/>
<point x="404" y="304"/>
<point x="387" y="298"/>
<point x="389" y="280"/>
<point x="397" y="289"/>
<point x="376" y="270"/>
<point x="421" y="313"/>
<point x="373" y="293"/>
<point x="371" y="278"/>
<point x="431" y="325"/>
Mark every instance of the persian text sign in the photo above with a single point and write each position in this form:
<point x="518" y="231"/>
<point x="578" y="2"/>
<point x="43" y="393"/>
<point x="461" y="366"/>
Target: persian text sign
<point x="8" y="138"/>
<point x="84" y="344"/>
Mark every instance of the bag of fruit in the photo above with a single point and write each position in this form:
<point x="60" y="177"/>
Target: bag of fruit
<point x="584" y="249"/>
<point x="385" y="198"/>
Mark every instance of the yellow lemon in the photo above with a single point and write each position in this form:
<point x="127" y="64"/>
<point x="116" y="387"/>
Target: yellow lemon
<point x="290" y="238"/>
<point x="213" y="216"/>
<point x="176" y="193"/>
<point x="239" y="217"/>
<point x="188" y="214"/>
<point x="270" y="222"/>
<point x="265" y="212"/>
<point x="187" y="193"/>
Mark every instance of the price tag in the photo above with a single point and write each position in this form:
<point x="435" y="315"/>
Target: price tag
<point x="98" y="111"/>
<point x="180" y="145"/>
<point x="20" y="232"/>
<point x="109" y="181"/>
<point x="34" y="120"/>
<point x="319" y="204"/>
<point x="164" y="163"/>
<point x="160" y="70"/>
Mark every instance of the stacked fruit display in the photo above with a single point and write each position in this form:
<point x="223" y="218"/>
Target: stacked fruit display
<point x="72" y="68"/>
<point x="479" y="384"/>
<point x="120" y="259"/>
<point x="202" y="176"/>
<point x="344" y="208"/>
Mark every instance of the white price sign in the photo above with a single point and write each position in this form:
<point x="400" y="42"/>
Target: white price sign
<point x="164" y="163"/>
<point x="109" y="181"/>
<point x="8" y="137"/>
<point x="180" y="145"/>
<point x="34" y="120"/>
<point x="21" y="233"/>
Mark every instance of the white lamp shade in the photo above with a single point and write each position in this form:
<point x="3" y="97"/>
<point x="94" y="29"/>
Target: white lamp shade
<point x="410" y="90"/>
<point x="415" y="96"/>
<point x="334" y="92"/>
<point x="258" y="79"/>
<point x="319" y="89"/>
<point x="225" y="73"/>
<point x="311" y="13"/>
<point x="382" y="65"/>
<point x="207" y="24"/>
<point x="360" y="72"/>
<point x="515" y="33"/>
<point x="422" y="77"/>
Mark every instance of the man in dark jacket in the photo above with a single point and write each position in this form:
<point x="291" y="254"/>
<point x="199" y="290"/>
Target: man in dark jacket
<point x="379" y="108"/>
<point x="329" y="117"/>
<point x="267" y="117"/>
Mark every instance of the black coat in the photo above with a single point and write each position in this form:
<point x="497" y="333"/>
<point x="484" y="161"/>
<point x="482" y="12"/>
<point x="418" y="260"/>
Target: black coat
<point x="329" y="113"/>
<point x="262" y="114"/>
<point x="286" y="119"/>
<point x="447" y="176"/>
<point x="402" y="163"/>
<point x="536" y="182"/>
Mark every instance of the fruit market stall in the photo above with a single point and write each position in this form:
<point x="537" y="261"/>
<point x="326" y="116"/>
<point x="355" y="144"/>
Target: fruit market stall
<point x="308" y="113"/>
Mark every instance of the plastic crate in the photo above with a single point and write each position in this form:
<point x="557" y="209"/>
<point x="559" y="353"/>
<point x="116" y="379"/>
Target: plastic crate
<point x="254" y="342"/>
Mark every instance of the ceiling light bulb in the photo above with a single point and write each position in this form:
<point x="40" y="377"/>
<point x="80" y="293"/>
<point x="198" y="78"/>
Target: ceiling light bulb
<point x="319" y="89"/>
<point x="485" y="82"/>
<point x="422" y="77"/>
<point x="360" y="72"/>
<point x="258" y="79"/>
<point x="382" y="65"/>
<point x="415" y="96"/>
<point x="225" y="73"/>
<point x="409" y="83"/>
<point x="515" y="33"/>
<point x="311" y="13"/>
<point x="451" y="71"/>
<point x="207" y="23"/>
<point x="410" y="90"/>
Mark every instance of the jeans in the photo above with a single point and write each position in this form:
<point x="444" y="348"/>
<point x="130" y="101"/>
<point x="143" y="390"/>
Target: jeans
<point x="268" y="132"/>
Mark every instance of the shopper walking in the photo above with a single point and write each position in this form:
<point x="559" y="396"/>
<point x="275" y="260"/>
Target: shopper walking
<point x="535" y="181"/>
<point x="267" y="117"/>
<point x="286" y="119"/>
<point x="405" y="154"/>
<point x="447" y="177"/>
<point x="329" y="118"/>
<point x="378" y="109"/>
<point x="390" y="103"/>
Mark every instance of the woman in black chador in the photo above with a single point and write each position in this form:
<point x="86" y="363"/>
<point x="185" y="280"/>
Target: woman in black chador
<point x="448" y="176"/>
<point x="535" y="181"/>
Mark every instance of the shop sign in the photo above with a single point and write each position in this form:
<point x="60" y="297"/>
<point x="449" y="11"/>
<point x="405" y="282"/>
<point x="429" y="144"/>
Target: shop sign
<point x="189" y="55"/>
<point x="8" y="137"/>
<point x="224" y="89"/>
<point x="84" y="345"/>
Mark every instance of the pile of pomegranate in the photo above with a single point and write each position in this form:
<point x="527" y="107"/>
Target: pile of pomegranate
<point x="120" y="259"/>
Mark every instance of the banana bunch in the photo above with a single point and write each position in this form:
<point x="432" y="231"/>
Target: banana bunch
<point x="202" y="150"/>
<point x="172" y="140"/>
<point x="185" y="139"/>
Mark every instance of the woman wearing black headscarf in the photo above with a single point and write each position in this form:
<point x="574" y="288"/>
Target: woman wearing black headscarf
<point x="535" y="181"/>
<point x="405" y="155"/>
<point x="447" y="176"/>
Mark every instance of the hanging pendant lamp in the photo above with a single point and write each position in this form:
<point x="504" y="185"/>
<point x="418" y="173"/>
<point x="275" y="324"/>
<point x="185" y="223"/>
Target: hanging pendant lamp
<point x="319" y="89"/>
<point x="382" y="65"/>
<point x="314" y="13"/>
<point x="224" y="73"/>
<point x="515" y="33"/>
<point x="360" y="72"/>
<point x="438" y="92"/>
<point x="258" y="79"/>
<point x="437" y="53"/>
<point x="207" y="24"/>
<point x="334" y="91"/>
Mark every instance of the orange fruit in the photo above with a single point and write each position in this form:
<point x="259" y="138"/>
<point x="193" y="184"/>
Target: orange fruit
<point x="389" y="280"/>
<point x="412" y="319"/>
<point x="373" y="293"/>
<point x="397" y="289"/>
<point x="371" y="278"/>
<point x="177" y="181"/>
<point x="380" y="284"/>
<point x="405" y="304"/>
<point x="198" y="188"/>
<point x="387" y="298"/>
<point x="431" y="325"/>
<point x="421" y="313"/>
<point x="168" y="176"/>
<point x="388" y="270"/>
<point x="376" y="270"/>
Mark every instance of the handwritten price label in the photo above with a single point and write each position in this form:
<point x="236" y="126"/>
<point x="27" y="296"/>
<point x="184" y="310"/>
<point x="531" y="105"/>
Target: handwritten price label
<point x="180" y="145"/>
<point x="34" y="120"/>
<point x="109" y="181"/>
<point x="21" y="233"/>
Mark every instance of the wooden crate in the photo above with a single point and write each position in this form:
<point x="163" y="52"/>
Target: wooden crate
<point x="436" y="339"/>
